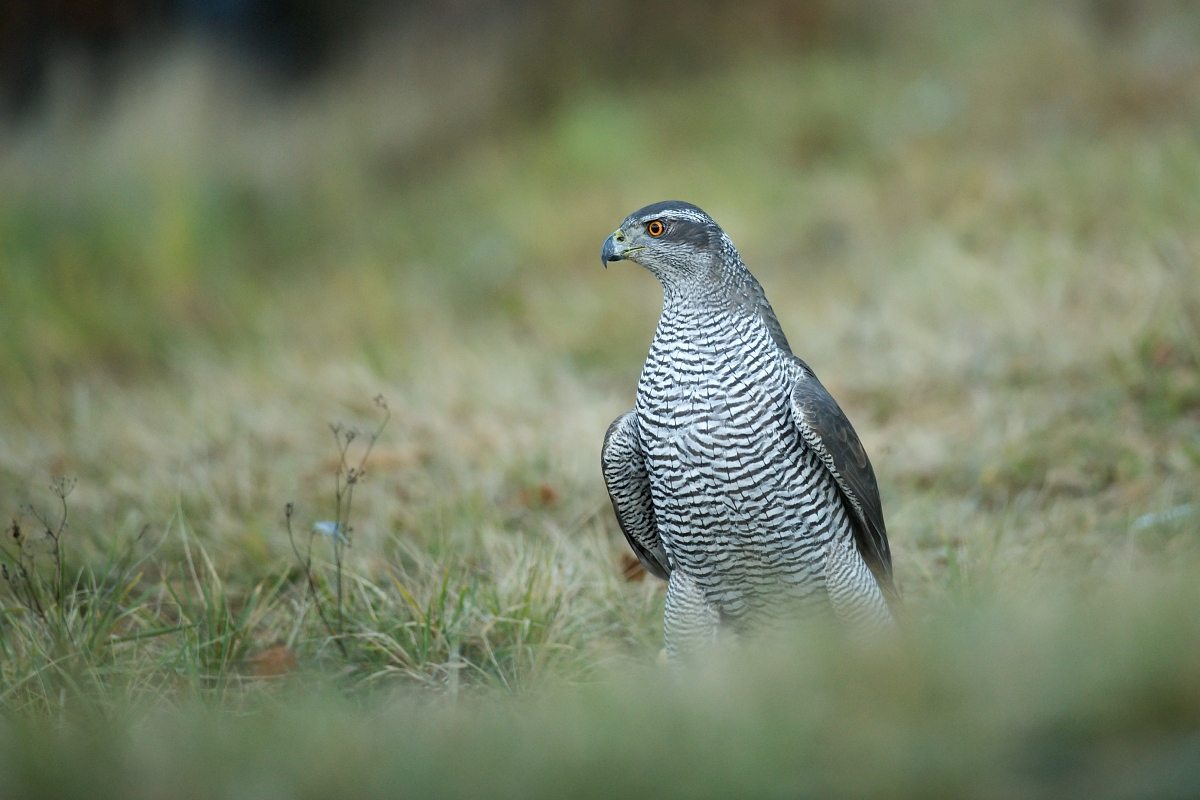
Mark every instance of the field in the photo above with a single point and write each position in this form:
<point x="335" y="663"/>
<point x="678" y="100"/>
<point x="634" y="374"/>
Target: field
<point x="981" y="228"/>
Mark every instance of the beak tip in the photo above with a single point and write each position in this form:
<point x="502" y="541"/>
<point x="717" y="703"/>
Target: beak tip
<point x="609" y="252"/>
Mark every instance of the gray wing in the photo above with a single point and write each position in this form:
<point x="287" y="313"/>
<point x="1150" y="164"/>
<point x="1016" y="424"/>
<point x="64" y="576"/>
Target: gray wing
<point x="826" y="430"/>
<point x="624" y="466"/>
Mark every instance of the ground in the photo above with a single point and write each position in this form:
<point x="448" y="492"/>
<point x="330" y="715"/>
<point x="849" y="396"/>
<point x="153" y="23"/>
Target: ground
<point x="986" y="250"/>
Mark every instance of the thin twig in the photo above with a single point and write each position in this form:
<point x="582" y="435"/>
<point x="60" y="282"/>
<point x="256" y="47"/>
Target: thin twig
<point x="345" y="478"/>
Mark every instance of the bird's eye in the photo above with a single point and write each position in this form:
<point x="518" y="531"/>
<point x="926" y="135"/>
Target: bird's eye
<point x="655" y="228"/>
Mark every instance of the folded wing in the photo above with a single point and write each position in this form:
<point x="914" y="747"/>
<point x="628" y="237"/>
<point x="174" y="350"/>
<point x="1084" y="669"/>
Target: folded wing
<point x="624" y="467"/>
<point x="826" y="430"/>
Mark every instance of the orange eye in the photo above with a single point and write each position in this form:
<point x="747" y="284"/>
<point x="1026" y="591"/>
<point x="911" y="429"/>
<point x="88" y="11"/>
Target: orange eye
<point x="655" y="228"/>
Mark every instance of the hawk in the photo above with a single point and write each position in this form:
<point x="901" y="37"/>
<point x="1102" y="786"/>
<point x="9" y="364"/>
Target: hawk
<point x="736" y="478"/>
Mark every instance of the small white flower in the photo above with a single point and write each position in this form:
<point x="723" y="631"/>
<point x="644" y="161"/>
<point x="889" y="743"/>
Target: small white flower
<point x="1163" y="517"/>
<point x="330" y="530"/>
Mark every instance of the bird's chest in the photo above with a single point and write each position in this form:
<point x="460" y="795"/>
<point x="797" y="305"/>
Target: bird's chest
<point x="713" y="409"/>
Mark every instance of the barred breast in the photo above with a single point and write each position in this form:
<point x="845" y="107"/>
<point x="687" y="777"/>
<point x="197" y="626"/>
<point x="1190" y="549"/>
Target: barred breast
<point x="744" y="508"/>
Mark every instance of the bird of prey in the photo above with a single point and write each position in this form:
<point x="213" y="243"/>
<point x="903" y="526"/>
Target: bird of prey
<point x="737" y="478"/>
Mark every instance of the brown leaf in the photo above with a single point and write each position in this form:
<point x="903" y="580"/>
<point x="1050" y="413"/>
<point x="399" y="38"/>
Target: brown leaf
<point x="631" y="568"/>
<point x="273" y="662"/>
<point x="538" y="496"/>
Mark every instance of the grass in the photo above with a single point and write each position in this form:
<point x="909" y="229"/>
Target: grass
<point x="981" y="232"/>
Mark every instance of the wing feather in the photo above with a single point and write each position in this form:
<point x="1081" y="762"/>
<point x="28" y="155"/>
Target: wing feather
<point x="826" y="430"/>
<point x="624" y="466"/>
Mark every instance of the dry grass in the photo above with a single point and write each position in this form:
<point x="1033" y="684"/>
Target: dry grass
<point x="986" y="249"/>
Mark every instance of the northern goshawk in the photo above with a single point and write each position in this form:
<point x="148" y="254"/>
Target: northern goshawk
<point x="737" y="478"/>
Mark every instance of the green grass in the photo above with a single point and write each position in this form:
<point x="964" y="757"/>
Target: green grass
<point x="981" y="232"/>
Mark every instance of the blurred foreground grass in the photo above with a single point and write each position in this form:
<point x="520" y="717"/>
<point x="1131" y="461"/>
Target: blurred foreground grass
<point x="1025" y="699"/>
<point x="983" y="236"/>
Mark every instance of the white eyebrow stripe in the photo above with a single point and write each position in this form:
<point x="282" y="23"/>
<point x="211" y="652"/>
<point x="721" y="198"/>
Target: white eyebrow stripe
<point x="674" y="216"/>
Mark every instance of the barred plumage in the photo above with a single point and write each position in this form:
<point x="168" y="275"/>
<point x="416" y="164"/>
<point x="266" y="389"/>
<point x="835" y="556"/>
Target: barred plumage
<point x="737" y="477"/>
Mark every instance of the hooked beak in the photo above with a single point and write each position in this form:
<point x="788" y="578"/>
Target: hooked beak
<point x="609" y="252"/>
<point x="616" y="248"/>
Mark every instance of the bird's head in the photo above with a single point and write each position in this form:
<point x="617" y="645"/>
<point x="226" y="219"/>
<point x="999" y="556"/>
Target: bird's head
<point x="676" y="241"/>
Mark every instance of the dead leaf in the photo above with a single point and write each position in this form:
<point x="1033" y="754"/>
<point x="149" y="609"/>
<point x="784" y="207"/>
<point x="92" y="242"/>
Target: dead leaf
<point x="539" y="496"/>
<point x="631" y="568"/>
<point x="273" y="662"/>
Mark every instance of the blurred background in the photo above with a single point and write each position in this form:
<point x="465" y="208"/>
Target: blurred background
<point x="224" y="220"/>
<point x="173" y="168"/>
<point x="227" y="223"/>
